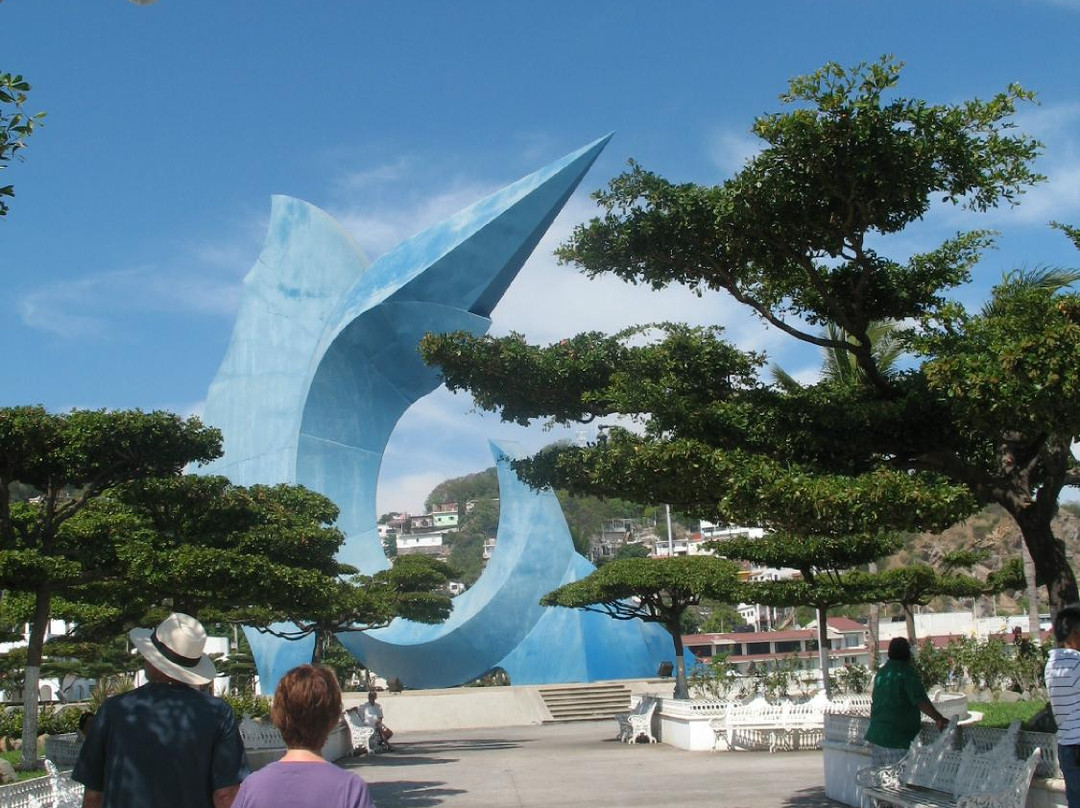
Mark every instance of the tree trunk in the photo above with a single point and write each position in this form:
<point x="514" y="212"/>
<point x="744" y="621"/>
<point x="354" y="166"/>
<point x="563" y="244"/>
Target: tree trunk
<point x="909" y="622"/>
<point x="823" y="649"/>
<point x="1034" y="634"/>
<point x="681" y="689"/>
<point x="34" y="653"/>
<point x="873" y="626"/>
<point x="1048" y="554"/>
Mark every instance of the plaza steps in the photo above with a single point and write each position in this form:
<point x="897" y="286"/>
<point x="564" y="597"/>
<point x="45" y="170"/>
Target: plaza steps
<point x="585" y="702"/>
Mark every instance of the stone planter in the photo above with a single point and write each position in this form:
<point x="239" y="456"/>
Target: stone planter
<point x="684" y="723"/>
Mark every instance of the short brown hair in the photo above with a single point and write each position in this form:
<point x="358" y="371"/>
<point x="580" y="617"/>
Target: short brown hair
<point x="307" y="704"/>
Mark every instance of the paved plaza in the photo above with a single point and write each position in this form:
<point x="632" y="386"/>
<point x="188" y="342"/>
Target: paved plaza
<point x="581" y="765"/>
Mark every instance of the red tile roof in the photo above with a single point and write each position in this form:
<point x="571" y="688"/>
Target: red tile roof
<point x="844" y="624"/>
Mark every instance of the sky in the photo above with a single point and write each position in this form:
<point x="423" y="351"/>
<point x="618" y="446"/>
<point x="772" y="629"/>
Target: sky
<point x="143" y="201"/>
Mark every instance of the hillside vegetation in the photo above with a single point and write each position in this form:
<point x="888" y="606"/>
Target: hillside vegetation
<point x="991" y="530"/>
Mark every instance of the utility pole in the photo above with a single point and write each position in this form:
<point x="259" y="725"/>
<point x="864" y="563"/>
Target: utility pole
<point x="670" y="544"/>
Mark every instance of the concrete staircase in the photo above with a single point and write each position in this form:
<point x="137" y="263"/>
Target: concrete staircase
<point x="585" y="702"/>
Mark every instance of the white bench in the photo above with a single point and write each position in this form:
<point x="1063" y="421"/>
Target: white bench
<point x="637" y="722"/>
<point x="361" y="735"/>
<point x="257" y="735"/>
<point x="761" y="725"/>
<point x="936" y="775"/>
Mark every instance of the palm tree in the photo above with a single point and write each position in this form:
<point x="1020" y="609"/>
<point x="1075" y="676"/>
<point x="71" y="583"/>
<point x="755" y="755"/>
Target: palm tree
<point x="840" y="365"/>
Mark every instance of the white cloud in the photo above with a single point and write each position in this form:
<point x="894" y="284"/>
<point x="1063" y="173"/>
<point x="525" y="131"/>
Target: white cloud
<point x="395" y="171"/>
<point x="380" y="227"/>
<point x="407" y="492"/>
<point x="729" y="149"/>
<point x="203" y="278"/>
<point x="87" y="306"/>
<point x="190" y="409"/>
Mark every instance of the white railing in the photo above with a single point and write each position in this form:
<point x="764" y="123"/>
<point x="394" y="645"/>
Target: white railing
<point x="54" y="790"/>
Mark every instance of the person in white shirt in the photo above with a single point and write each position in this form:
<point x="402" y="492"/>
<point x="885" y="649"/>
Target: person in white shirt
<point x="1063" y="686"/>
<point x="373" y="717"/>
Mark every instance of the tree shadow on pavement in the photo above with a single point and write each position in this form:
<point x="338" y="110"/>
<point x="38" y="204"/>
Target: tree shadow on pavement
<point x="411" y="793"/>
<point x="423" y="753"/>
<point x="810" y="798"/>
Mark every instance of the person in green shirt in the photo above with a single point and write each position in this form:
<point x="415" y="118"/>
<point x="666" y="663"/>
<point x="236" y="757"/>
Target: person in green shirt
<point x="899" y="697"/>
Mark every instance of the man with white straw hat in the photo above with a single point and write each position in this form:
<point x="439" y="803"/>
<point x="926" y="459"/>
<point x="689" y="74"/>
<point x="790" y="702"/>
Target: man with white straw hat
<point x="166" y="744"/>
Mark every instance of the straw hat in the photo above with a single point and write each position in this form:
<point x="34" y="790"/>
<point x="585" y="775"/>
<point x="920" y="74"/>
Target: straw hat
<point x="176" y="649"/>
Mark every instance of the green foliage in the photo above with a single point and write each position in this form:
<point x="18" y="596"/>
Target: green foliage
<point x="109" y="687"/>
<point x="652" y="590"/>
<point x="72" y="459"/>
<point x="586" y="515"/>
<point x="660" y="588"/>
<point x="799" y="236"/>
<point x="475" y="526"/>
<point x="51" y="721"/>
<point x="722" y="617"/>
<point x="934" y="665"/>
<point x="496" y="677"/>
<point x="854" y="679"/>
<point x="918" y="584"/>
<point x="483" y="485"/>
<point x="1011" y="367"/>
<point x="15" y="126"/>
<point x="991" y="664"/>
<point x="777" y="679"/>
<point x="631" y="551"/>
<point x="248" y="704"/>
<point x="714" y="679"/>
<point x="12" y="757"/>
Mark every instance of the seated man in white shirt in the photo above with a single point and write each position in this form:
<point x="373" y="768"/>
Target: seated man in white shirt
<point x="373" y="717"/>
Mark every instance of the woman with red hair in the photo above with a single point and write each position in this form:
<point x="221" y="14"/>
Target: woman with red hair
<point x="307" y="705"/>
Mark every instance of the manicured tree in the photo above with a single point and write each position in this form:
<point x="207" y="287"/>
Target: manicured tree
<point x="654" y="590"/>
<point x="823" y="584"/>
<point x="71" y="459"/>
<point x="258" y="555"/>
<point x="913" y="585"/>
<point x="799" y="236"/>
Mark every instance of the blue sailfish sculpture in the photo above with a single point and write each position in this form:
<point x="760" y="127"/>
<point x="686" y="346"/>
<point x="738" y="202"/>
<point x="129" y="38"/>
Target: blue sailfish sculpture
<point x="321" y="366"/>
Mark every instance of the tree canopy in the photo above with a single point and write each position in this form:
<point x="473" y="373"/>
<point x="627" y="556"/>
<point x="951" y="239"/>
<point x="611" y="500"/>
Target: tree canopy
<point x="71" y="459"/>
<point x="799" y="236"/>
<point x="116" y="536"/>
<point x="654" y="591"/>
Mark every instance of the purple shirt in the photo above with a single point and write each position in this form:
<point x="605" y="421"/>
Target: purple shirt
<point x="303" y="785"/>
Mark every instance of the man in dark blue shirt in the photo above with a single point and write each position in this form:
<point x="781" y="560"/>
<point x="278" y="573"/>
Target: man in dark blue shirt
<point x="165" y="744"/>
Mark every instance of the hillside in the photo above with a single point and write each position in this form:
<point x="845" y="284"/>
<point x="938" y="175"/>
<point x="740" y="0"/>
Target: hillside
<point x="991" y="530"/>
<point x="994" y="531"/>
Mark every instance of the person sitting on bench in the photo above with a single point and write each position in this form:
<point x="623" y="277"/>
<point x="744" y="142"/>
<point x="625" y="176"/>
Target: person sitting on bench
<point x="373" y="717"/>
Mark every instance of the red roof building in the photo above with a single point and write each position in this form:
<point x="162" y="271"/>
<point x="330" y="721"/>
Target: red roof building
<point x="847" y="645"/>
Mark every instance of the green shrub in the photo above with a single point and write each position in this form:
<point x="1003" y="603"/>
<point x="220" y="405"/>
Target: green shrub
<point x="852" y="679"/>
<point x="248" y="704"/>
<point x="934" y="665"/>
<point x="50" y="722"/>
<point x="57" y="722"/>
<point x="714" y="679"/>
